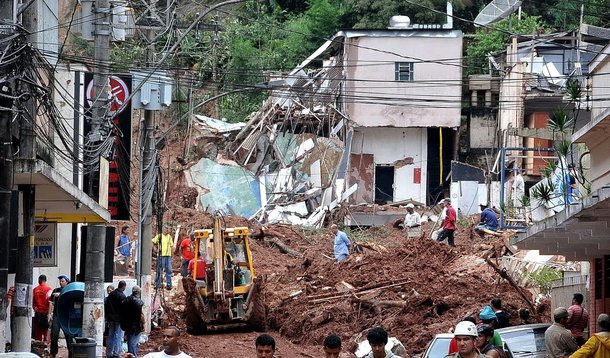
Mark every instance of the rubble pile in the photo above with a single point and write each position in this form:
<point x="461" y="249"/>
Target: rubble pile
<point x="413" y="288"/>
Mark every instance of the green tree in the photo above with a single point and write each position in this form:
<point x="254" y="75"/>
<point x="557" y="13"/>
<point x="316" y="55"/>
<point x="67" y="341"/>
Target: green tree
<point x="267" y="38"/>
<point x="488" y="40"/>
<point x="376" y="14"/>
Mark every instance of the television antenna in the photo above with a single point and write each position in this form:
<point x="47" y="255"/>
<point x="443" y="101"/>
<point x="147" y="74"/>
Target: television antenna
<point x="496" y="11"/>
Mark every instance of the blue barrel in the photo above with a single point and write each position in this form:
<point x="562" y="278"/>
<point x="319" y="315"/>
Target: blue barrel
<point x="70" y="308"/>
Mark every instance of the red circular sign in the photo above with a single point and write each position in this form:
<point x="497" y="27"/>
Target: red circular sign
<point x="117" y="94"/>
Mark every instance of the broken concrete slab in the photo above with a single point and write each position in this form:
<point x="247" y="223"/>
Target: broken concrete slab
<point x="231" y="189"/>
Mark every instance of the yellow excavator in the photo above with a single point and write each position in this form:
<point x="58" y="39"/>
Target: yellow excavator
<point x="228" y="295"/>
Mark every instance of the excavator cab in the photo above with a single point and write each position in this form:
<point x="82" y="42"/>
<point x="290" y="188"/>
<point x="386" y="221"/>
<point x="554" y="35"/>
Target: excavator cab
<point x="229" y="296"/>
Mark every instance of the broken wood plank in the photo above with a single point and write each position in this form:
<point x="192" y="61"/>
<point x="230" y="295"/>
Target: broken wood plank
<point x="504" y="274"/>
<point x="346" y="294"/>
<point x="379" y="304"/>
<point x="283" y="247"/>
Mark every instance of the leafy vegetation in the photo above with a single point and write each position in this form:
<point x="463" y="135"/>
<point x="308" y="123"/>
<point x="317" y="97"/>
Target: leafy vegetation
<point x="543" y="279"/>
<point x="273" y="36"/>
<point x="488" y="41"/>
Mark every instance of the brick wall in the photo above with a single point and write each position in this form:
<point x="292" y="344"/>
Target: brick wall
<point x="596" y="306"/>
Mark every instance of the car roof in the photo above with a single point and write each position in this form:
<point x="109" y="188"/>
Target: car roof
<point x="523" y="327"/>
<point x="444" y="335"/>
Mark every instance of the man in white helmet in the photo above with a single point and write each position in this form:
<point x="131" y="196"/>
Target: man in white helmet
<point x="412" y="222"/>
<point x="465" y="333"/>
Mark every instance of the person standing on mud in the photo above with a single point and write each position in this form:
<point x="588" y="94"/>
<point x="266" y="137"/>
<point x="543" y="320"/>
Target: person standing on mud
<point x="332" y="346"/>
<point x="412" y="222"/>
<point x="265" y="346"/>
<point x="342" y="245"/>
<point x="187" y="254"/>
<point x="448" y="224"/>
<point x="164" y="243"/>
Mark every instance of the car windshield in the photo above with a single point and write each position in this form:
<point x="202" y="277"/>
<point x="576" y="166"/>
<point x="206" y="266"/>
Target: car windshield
<point x="527" y="340"/>
<point x="439" y="348"/>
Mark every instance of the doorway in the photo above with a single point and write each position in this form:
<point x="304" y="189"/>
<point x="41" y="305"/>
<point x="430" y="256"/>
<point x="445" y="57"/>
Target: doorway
<point x="384" y="184"/>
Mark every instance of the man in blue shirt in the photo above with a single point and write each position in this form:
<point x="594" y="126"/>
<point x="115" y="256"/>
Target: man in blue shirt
<point x="342" y="245"/>
<point x="488" y="220"/>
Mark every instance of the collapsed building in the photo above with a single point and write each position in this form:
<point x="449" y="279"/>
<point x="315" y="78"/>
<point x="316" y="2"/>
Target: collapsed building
<point x="369" y="118"/>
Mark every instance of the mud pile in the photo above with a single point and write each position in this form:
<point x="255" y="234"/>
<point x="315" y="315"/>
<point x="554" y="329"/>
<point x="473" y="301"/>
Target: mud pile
<point x="413" y="288"/>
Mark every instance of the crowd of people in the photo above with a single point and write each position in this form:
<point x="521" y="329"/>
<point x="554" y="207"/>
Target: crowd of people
<point x="124" y="319"/>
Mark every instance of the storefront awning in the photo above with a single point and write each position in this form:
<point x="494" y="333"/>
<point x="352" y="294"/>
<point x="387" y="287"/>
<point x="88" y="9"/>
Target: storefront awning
<point x="57" y="199"/>
<point x="580" y="232"/>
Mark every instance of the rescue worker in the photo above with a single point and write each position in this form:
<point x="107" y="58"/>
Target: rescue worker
<point x="578" y="319"/>
<point x="558" y="340"/>
<point x="332" y="346"/>
<point x="265" y="346"/>
<point x="412" y="224"/>
<point x="41" y="304"/>
<point x="378" y="338"/>
<point x="448" y="224"/>
<point x="465" y="334"/>
<point x="453" y="347"/>
<point x="598" y="345"/>
<point x="483" y="341"/>
<point x="341" y="244"/>
<point x="186" y="253"/>
<point x="489" y="221"/>
<point x="164" y="243"/>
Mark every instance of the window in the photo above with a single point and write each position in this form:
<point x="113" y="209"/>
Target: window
<point x="481" y="99"/>
<point x="495" y="100"/>
<point x="525" y="341"/>
<point x="403" y="71"/>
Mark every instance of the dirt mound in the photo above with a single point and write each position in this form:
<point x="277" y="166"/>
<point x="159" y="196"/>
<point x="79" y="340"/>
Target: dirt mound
<point x="426" y="287"/>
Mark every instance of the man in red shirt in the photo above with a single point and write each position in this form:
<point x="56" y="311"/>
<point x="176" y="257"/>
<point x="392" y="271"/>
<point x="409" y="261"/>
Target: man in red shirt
<point x="448" y="224"/>
<point x="578" y="319"/>
<point x="200" y="268"/>
<point x="187" y="254"/>
<point x="40" y="303"/>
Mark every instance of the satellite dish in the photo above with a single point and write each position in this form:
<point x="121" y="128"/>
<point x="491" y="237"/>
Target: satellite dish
<point x="496" y="11"/>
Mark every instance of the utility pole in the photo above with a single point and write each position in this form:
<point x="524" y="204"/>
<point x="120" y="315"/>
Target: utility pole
<point x="6" y="177"/>
<point x="6" y="186"/>
<point x="22" y="322"/>
<point x="148" y="167"/>
<point x="93" y="303"/>
<point x="147" y="170"/>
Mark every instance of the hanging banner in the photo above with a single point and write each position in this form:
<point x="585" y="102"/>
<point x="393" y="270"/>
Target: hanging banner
<point x="119" y="176"/>
<point x="45" y="245"/>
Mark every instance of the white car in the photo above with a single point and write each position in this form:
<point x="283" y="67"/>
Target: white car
<point x="439" y="347"/>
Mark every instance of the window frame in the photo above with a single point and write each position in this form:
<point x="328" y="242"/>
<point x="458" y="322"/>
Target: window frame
<point x="398" y="71"/>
